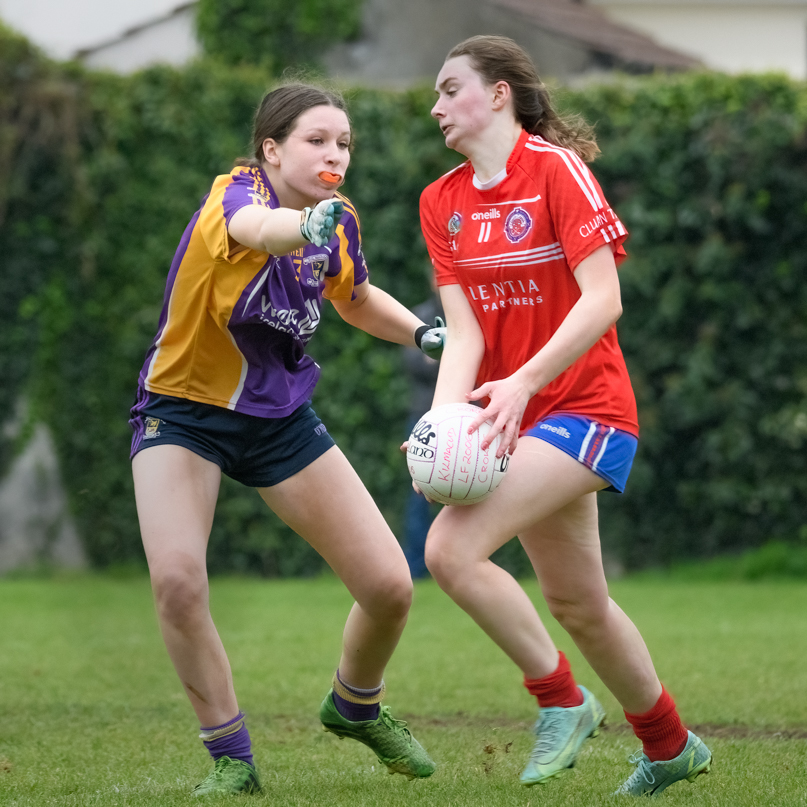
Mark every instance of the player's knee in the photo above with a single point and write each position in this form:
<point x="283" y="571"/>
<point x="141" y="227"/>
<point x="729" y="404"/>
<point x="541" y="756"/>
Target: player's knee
<point x="180" y="593"/>
<point x="390" y="598"/>
<point x="578" y="617"/>
<point x="444" y="565"/>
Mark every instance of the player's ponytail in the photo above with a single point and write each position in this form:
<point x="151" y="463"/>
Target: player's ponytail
<point x="497" y="58"/>
<point x="279" y="110"/>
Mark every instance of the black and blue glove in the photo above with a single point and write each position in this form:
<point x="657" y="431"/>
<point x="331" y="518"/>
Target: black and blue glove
<point x="431" y="339"/>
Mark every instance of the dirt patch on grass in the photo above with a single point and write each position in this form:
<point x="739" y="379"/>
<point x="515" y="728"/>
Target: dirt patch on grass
<point x="732" y="732"/>
<point x="462" y="720"/>
<point x="723" y="732"/>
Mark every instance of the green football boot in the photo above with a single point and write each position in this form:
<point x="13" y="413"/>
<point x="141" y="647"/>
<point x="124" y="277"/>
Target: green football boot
<point x="227" y="777"/>
<point x="560" y="733"/>
<point x="651" y="778"/>
<point x="388" y="738"/>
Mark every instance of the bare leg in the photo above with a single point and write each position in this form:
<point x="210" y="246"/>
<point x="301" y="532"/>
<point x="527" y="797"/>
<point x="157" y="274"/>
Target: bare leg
<point x="176" y="493"/>
<point x="327" y="504"/>
<point x="462" y="539"/>
<point x="565" y="552"/>
<point x="542" y="481"/>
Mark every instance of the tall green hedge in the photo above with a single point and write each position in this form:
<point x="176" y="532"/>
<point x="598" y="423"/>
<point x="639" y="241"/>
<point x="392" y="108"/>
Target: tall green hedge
<point x="708" y="173"/>
<point x="40" y="175"/>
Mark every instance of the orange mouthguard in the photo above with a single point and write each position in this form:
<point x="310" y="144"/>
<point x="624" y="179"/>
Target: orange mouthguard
<point x="325" y="176"/>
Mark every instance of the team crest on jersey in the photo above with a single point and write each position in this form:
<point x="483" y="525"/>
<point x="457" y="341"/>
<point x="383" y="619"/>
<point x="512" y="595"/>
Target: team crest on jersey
<point x="152" y="428"/>
<point x="517" y="224"/>
<point x="319" y="266"/>
<point x="455" y="224"/>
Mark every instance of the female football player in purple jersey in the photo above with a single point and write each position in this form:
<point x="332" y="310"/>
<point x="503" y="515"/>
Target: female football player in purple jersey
<point x="225" y="388"/>
<point x="525" y="250"/>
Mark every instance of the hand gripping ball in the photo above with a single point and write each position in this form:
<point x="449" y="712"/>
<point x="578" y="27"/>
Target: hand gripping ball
<point x="446" y="463"/>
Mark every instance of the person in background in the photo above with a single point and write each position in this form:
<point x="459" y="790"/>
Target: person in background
<point x="525" y="250"/>
<point x="421" y="372"/>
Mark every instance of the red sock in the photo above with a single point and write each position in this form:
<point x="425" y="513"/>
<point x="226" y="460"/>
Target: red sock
<point x="660" y="730"/>
<point x="557" y="688"/>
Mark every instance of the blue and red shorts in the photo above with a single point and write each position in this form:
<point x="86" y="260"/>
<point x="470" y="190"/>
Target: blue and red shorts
<point x="607" y="451"/>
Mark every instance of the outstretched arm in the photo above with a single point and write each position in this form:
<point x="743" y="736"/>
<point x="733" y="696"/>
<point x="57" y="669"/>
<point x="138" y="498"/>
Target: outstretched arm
<point x="379" y="314"/>
<point x="283" y="230"/>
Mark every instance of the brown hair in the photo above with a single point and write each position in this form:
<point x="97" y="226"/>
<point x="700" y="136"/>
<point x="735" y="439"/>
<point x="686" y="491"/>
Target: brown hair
<point x="497" y="58"/>
<point x="279" y="110"/>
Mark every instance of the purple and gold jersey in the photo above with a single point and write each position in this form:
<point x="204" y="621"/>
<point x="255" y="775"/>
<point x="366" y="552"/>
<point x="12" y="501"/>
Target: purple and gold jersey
<point x="235" y="321"/>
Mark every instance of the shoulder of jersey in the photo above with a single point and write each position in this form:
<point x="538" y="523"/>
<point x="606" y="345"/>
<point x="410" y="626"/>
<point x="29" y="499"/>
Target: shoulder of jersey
<point x="536" y="148"/>
<point x="349" y="207"/>
<point x="457" y="174"/>
<point x="251" y="177"/>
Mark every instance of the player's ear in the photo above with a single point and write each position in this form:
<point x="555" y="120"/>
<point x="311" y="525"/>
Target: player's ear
<point x="270" y="151"/>
<point x="501" y="95"/>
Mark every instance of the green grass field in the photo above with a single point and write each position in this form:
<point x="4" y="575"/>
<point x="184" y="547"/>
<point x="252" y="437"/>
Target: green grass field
<point x="92" y="713"/>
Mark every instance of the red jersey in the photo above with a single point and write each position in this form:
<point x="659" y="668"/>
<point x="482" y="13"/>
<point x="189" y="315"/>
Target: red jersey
<point x="513" y="248"/>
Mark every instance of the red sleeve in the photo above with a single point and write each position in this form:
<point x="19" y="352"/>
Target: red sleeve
<point x="438" y="238"/>
<point x="582" y="218"/>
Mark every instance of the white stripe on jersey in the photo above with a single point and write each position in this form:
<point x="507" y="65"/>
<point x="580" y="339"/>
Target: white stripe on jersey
<point x="449" y="173"/>
<point x="510" y="202"/>
<point x="257" y="286"/>
<point x="549" y="252"/>
<point x="158" y="342"/>
<point x="576" y="167"/>
<point x="510" y="262"/>
<point x="244" y="367"/>
<point x="584" y="171"/>
<point x="605" y="235"/>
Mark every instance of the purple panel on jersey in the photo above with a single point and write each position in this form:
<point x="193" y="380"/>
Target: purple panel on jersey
<point x="275" y="313"/>
<point x="169" y="286"/>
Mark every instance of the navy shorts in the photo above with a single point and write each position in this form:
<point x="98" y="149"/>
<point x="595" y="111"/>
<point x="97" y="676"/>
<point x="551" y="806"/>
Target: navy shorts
<point x="258" y="452"/>
<point x="607" y="451"/>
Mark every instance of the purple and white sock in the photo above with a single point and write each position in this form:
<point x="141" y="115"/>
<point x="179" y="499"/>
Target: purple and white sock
<point x="356" y="704"/>
<point x="231" y="739"/>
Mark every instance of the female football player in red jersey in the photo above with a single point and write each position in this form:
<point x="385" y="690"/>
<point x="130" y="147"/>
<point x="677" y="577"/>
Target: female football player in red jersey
<point x="225" y="388"/>
<point x="525" y="249"/>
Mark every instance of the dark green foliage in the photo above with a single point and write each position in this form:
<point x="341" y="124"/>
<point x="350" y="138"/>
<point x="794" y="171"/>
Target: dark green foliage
<point x="101" y="174"/>
<point x="276" y="34"/>
<point x="39" y="178"/>
<point x="709" y="174"/>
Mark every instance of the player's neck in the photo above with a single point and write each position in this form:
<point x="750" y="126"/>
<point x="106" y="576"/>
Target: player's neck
<point x="491" y="152"/>
<point x="287" y="195"/>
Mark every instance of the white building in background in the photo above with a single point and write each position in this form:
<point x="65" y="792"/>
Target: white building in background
<point x="734" y="36"/>
<point x="166" y="39"/>
<point x="405" y="41"/>
<point x="402" y="42"/>
<point x="64" y="27"/>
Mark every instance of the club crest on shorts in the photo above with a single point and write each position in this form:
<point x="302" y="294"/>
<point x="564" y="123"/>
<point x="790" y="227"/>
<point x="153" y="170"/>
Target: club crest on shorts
<point x="152" y="428"/>
<point x="455" y="224"/>
<point x="517" y="224"/>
